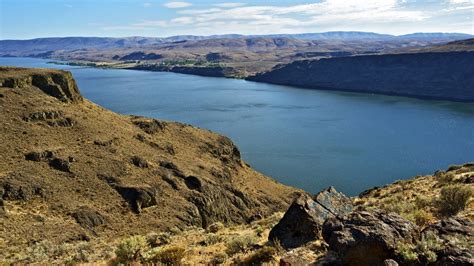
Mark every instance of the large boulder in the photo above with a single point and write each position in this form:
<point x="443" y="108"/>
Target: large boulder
<point x="303" y="221"/>
<point x="368" y="238"/>
<point x="456" y="235"/>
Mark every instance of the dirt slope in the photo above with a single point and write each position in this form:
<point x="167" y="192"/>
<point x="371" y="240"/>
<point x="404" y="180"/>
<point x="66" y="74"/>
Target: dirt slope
<point x="71" y="170"/>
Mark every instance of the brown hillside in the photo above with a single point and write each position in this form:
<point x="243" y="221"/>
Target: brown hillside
<point x="71" y="170"/>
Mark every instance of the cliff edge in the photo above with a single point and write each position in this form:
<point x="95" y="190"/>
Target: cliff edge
<point x="443" y="76"/>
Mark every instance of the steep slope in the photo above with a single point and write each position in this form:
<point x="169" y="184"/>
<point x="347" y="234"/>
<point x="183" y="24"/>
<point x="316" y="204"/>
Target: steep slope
<point x="421" y="75"/>
<point x="73" y="171"/>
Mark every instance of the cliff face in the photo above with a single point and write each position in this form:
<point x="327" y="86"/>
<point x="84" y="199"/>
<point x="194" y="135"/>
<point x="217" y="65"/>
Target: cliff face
<point x="421" y="75"/>
<point x="56" y="83"/>
<point x="73" y="171"/>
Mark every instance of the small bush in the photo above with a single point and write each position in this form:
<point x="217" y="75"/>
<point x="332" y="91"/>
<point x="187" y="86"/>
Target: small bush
<point x="158" y="239"/>
<point x="424" y="250"/>
<point x="215" y="227"/>
<point x="167" y="256"/>
<point x="219" y="258"/>
<point x="260" y="256"/>
<point x="454" y="199"/>
<point x="407" y="252"/>
<point x="131" y="249"/>
<point x="240" y="244"/>
<point x="419" y="217"/>
<point x="210" y="240"/>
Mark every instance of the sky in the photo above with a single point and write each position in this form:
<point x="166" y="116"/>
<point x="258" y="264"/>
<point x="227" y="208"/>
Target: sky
<point x="26" y="19"/>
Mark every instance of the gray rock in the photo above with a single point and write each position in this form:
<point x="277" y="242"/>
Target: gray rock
<point x="457" y="235"/>
<point x="303" y="221"/>
<point x="88" y="218"/>
<point x="367" y="238"/>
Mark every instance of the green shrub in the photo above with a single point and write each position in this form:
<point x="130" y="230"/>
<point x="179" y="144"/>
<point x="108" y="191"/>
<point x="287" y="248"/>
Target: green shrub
<point x="454" y="199"/>
<point x="219" y="258"/>
<point x="131" y="249"/>
<point x="419" y="217"/>
<point x="168" y="256"/>
<point x="424" y="250"/>
<point x="210" y="240"/>
<point x="215" y="227"/>
<point x="260" y="256"/>
<point x="407" y="252"/>
<point x="240" y="244"/>
<point x="158" y="239"/>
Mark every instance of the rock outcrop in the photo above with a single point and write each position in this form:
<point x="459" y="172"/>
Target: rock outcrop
<point x="456" y="236"/>
<point x="368" y="238"/>
<point x="303" y="221"/>
<point x="445" y="75"/>
<point x="57" y="83"/>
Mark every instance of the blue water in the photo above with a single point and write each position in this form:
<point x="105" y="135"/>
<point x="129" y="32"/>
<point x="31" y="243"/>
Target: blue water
<point x="305" y="138"/>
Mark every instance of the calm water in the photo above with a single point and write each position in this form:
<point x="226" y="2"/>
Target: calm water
<point x="304" y="138"/>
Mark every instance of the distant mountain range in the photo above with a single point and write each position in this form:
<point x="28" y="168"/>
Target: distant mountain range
<point x="75" y="43"/>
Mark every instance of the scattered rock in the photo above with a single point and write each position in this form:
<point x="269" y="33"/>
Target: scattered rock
<point x="293" y="260"/>
<point x="19" y="187"/>
<point x="224" y="174"/>
<point x="303" y="221"/>
<point x="390" y="262"/>
<point x="453" y="232"/>
<point x="225" y="150"/>
<point x="368" y="238"/>
<point x="138" y="197"/>
<point x="104" y="143"/>
<point x="151" y="127"/>
<point x="173" y="168"/>
<point x="39" y="156"/>
<point x="139" y="162"/>
<point x="88" y="218"/>
<point x="60" y="164"/>
<point x="168" y="179"/>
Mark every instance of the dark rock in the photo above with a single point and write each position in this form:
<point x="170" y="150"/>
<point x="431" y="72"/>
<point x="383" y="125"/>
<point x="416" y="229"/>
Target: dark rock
<point x="171" y="182"/>
<point x="19" y="187"/>
<point x="193" y="183"/>
<point x="60" y="164"/>
<point x="453" y="232"/>
<point x="139" y="162"/>
<point x="303" y="221"/>
<point x="150" y="126"/>
<point x="88" y="218"/>
<point x="52" y="118"/>
<point x="173" y="168"/>
<point x="138" y="197"/>
<point x="3" y="211"/>
<point x="39" y="156"/>
<point x="104" y="143"/>
<point x="368" y="238"/>
<point x="225" y="150"/>
<point x="293" y="260"/>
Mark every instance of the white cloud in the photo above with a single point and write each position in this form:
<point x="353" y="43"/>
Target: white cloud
<point x="387" y="16"/>
<point x="229" y="4"/>
<point x="177" y="4"/>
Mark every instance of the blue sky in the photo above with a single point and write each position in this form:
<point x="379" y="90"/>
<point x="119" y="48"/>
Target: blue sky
<point x="25" y="19"/>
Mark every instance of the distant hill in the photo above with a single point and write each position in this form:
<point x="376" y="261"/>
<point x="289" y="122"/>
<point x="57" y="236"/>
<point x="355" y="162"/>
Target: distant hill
<point x="75" y="43"/>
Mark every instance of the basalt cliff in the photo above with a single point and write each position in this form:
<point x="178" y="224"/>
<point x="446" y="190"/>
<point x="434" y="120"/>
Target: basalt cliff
<point x="426" y="75"/>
